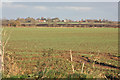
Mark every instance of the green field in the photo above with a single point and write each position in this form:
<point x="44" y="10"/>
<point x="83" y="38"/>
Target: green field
<point x="48" y="45"/>
<point x="76" y="39"/>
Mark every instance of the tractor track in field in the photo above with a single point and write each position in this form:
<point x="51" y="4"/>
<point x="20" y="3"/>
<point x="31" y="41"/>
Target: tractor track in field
<point x="101" y="64"/>
<point x="86" y="60"/>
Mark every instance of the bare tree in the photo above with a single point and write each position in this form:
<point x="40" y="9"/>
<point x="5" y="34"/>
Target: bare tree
<point x="54" y="24"/>
<point x="49" y="22"/>
<point x="3" y="44"/>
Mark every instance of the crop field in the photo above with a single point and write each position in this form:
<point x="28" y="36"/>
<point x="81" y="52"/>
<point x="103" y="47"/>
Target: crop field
<point x="46" y="53"/>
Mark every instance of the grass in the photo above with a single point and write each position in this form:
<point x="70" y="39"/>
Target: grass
<point x="33" y="49"/>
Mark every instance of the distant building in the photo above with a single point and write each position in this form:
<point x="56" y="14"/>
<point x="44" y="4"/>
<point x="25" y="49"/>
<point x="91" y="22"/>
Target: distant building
<point x="64" y="20"/>
<point x="77" y="21"/>
<point x="41" y="20"/>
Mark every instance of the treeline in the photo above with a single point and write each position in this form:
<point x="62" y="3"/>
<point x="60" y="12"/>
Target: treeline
<point x="17" y="22"/>
<point x="28" y="20"/>
<point x="56" y="22"/>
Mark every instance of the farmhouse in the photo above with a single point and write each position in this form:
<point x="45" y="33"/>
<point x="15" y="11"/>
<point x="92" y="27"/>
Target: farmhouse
<point x="42" y="19"/>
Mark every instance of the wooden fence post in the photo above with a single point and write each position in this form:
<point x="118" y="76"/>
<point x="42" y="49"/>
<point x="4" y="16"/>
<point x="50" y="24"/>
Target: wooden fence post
<point x="82" y="67"/>
<point x="72" y="61"/>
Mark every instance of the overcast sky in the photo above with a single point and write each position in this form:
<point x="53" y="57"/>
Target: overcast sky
<point x="60" y="0"/>
<point x="63" y="10"/>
